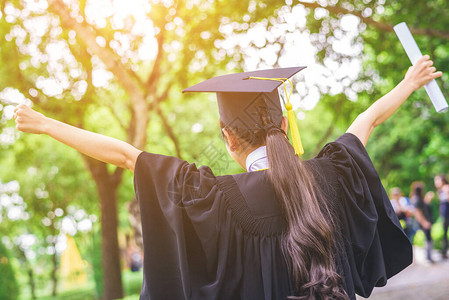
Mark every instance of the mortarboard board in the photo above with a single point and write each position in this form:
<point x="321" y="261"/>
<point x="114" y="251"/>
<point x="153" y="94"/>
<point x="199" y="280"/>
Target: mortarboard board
<point x="240" y="95"/>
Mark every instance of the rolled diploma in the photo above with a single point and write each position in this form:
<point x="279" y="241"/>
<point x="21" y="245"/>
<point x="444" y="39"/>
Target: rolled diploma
<point x="413" y="52"/>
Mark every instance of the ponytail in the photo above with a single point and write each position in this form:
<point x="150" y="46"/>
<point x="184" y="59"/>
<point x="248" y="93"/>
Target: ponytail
<point x="309" y="243"/>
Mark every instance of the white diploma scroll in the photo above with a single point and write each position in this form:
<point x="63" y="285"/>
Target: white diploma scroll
<point x="413" y="52"/>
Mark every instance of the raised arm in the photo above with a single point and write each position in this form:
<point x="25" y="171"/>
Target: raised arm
<point x="417" y="76"/>
<point x="103" y="148"/>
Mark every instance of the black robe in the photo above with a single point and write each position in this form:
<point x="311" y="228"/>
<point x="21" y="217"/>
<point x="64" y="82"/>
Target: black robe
<point x="219" y="237"/>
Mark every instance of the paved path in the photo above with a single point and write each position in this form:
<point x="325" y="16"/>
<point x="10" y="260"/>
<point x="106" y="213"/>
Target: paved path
<point x="419" y="281"/>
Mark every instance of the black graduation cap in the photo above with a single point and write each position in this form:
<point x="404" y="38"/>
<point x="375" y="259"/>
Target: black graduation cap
<point x="239" y="95"/>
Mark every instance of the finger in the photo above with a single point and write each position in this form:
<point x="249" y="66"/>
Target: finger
<point x="19" y="127"/>
<point x="422" y="59"/>
<point x="432" y="69"/>
<point x="19" y="109"/>
<point x="429" y="63"/>
<point x="20" y="106"/>
<point x="436" y="74"/>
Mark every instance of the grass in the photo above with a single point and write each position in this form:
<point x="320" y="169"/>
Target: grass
<point x="132" y="282"/>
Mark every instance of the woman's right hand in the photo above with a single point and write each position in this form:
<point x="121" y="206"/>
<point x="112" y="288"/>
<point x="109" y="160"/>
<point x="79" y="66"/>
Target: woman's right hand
<point x="29" y="120"/>
<point x="417" y="76"/>
<point x="421" y="73"/>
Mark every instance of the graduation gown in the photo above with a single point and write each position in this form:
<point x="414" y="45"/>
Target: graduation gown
<point x="219" y="237"/>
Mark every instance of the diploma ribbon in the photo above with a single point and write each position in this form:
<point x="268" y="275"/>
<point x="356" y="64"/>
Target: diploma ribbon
<point x="296" y="138"/>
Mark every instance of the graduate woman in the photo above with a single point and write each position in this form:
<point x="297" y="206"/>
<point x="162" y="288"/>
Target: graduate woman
<point x="317" y="229"/>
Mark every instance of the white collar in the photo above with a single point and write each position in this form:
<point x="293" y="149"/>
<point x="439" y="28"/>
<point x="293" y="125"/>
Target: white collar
<point x="257" y="159"/>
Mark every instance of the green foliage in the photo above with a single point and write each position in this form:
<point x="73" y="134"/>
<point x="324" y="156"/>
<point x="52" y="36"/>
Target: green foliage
<point x="53" y="182"/>
<point x="196" y="43"/>
<point x="95" y="257"/>
<point x="132" y="282"/>
<point x="413" y="144"/>
<point x="9" y="289"/>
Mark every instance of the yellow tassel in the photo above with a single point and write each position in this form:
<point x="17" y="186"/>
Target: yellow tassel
<point x="296" y="138"/>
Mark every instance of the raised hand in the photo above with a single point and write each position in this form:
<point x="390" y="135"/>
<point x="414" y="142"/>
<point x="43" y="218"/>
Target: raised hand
<point x="421" y="73"/>
<point x="95" y="145"/>
<point x="417" y="76"/>
<point x="29" y="120"/>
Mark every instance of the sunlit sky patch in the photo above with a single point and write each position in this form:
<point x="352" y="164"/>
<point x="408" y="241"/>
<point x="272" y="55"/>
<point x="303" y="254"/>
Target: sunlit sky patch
<point x="132" y="17"/>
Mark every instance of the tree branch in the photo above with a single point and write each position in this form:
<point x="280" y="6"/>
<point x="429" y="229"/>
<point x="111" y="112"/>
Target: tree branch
<point x="160" y="98"/>
<point x="151" y="83"/>
<point x="2" y="7"/>
<point x="117" y="176"/>
<point x="379" y="25"/>
<point x="115" y="115"/>
<point x="127" y="79"/>
<point x="85" y="58"/>
<point x="169" y="130"/>
<point x="88" y="37"/>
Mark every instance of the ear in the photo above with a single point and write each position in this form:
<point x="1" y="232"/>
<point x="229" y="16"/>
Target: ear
<point x="230" y="139"/>
<point x="284" y="124"/>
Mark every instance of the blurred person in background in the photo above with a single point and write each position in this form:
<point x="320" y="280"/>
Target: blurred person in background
<point x="423" y="213"/>
<point x="404" y="211"/>
<point x="133" y="255"/>
<point x="442" y="186"/>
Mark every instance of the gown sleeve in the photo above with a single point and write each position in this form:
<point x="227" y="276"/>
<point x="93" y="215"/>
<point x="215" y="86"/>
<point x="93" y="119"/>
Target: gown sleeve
<point x="179" y="222"/>
<point x="375" y="245"/>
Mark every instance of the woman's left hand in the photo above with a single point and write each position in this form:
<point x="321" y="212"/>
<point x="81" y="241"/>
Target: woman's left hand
<point x="29" y="120"/>
<point x="421" y="73"/>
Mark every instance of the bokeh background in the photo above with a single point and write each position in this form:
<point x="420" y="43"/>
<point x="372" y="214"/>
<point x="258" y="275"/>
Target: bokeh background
<point x="69" y="225"/>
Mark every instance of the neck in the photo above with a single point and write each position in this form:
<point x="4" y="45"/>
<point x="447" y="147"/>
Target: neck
<point x="242" y="154"/>
<point x="257" y="159"/>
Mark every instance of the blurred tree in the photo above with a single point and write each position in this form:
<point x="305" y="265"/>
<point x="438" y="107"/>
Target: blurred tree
<point x="114" y="68"/>
<point x="49" y="201"/>
<point x="9" y="289"/>
<point x="412" y="145"/>
<point x="14" y="209"/>
<point x="79" y="62"/>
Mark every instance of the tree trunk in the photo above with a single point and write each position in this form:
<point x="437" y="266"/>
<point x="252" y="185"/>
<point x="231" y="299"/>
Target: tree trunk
<point x="32" y="285"/>
<point x="107" y="185"/>
<point x="110" y="248"/>
<point x="54" y="278"/>
<point x="135" y="221"/>
<point x="29" y="269"/>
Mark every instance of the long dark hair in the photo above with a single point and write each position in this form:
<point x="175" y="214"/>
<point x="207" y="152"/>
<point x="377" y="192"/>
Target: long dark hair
<point x="309" y="243"/>
<point x="417" y="192"/>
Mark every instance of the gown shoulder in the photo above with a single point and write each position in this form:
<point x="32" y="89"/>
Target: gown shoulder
<point x="375" y="245"/>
